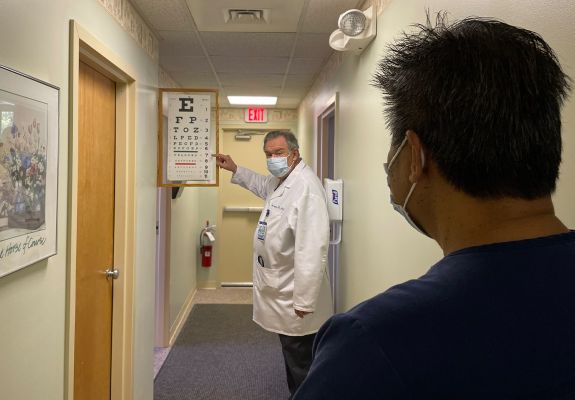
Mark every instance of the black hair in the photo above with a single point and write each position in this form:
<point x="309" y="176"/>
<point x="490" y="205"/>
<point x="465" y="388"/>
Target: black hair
<point x="485" y="99"/>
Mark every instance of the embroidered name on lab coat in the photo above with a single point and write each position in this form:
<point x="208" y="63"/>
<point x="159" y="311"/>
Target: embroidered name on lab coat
<point x="277" y="207"/>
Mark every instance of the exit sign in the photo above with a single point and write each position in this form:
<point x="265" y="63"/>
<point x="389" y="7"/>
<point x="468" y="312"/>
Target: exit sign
<point x="256" y="114"/>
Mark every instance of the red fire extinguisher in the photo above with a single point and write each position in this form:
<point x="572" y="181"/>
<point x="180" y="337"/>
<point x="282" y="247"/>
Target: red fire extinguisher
<point x="206" y="255"/>
<point x="206" y="236"/>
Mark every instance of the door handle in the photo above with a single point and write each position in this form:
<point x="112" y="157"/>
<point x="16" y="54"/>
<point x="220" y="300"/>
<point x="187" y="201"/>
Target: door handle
<point x="112" y="273"/>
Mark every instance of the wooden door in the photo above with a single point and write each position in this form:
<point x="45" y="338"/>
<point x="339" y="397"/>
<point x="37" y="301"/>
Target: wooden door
<point x="237" y="230"/>
<point x="95" y="235"/>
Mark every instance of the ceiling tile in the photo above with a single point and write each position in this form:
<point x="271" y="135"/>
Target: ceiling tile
<point x="257" y="80"/>
<point x="313" y="45"/>
<point x="251" y="91"/>
<point x="289" y="102"/>
<point x="248" y="44"/>
<point x="295" y="91"/>
<point x="190" y="81"/>
<point x="306" y="65"/>
<point x="299" y="81"/>
<point x="322" y="15"/>
<point x="170" y="15"/>
<point x="274" y="65"/>
<point x="172" y="63"/>
<point x="179" y="44"/>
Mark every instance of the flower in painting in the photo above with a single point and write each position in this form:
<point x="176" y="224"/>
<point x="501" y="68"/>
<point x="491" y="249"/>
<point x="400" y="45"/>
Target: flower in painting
<point x="23" y="159"/>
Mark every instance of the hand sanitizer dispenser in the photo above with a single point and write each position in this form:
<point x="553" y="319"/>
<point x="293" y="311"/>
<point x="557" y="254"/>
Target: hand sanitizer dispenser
<point x="334" y="199"/>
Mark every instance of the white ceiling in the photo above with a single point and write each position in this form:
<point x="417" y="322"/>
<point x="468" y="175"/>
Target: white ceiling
<point x="280" y="57"/>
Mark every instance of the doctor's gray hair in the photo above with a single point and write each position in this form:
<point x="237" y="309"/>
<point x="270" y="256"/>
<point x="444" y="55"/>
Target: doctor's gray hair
<point x="289" y="137"/>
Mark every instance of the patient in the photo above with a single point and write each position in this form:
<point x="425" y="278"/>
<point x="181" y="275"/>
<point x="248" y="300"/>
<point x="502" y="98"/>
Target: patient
<point x="474" y="110"/>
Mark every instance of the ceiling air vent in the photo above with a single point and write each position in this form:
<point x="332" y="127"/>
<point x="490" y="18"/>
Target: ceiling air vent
<point x="240" y="16"/>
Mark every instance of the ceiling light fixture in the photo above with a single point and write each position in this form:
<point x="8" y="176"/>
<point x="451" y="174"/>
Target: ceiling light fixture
<point x="253" y="100"/>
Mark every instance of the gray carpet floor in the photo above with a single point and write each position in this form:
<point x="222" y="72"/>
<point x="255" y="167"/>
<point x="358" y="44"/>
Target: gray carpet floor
<point x="221" y="354"/>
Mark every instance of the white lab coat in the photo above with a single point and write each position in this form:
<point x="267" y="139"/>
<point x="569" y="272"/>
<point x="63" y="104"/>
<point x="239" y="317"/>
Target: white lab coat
<point x="293" y="251"/>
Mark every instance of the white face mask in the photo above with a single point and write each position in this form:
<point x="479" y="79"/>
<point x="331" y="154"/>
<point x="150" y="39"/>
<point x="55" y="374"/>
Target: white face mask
<point x="402" y="209"/>
<point x="278" y="166"/>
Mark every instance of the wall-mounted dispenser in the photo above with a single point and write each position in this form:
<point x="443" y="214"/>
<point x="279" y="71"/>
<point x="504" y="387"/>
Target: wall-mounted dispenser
<point x="334" y="198"/>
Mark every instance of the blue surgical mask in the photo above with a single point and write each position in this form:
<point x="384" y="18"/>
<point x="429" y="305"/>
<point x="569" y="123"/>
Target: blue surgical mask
<point x="278" y="166"/>
<point x="402" y="209"/>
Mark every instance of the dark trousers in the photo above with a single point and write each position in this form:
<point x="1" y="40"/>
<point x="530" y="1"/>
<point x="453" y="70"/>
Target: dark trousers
<point x="297" y="358"/>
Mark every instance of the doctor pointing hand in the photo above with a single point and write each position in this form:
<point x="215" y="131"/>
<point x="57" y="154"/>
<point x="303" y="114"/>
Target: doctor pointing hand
<point x="226" y="162"/>
<point x="291" y="293"/>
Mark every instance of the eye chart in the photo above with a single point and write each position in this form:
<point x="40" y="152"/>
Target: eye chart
<point x="189" y="137"/>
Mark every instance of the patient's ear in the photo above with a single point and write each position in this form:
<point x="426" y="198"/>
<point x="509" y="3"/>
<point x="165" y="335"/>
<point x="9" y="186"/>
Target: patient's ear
<point x="417" y="156"/>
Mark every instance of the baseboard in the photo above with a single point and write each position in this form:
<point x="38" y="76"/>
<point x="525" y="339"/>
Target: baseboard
<point x="182" y="317"/>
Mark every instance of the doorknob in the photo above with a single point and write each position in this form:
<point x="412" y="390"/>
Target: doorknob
<point x="112" y="273"/>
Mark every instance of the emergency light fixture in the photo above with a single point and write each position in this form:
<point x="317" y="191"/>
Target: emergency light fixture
<point x="356" y="30"/>
<point x="352" y="22"/>
<point x="253" y="100"/>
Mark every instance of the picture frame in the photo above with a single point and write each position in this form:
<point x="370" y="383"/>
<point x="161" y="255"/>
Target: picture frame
<point x="29" y="130"/>
<point x="188" y="139"/>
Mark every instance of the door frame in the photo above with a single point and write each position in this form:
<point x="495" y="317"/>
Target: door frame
<point x="322" y="154"/>
<point x="162" y="299"/>
<point x="84" y="47"/>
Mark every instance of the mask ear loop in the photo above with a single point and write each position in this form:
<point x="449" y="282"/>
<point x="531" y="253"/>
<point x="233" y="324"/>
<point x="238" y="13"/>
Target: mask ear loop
<point x="397" y="153"/>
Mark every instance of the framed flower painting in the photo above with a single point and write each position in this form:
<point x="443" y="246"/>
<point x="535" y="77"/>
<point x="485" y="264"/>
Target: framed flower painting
<point x="28" y="170"/>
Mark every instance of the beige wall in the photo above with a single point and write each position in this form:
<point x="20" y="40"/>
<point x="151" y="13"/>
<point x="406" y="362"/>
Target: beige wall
<point x="208" y="209"/>
<point x="379" y="248"/>
<point x="237" y="228"/>
<point x="185" y="228"/>
<point x="34" y="40"/>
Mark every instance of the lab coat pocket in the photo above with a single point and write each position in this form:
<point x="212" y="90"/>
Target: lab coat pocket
<point x="266" y="279"/>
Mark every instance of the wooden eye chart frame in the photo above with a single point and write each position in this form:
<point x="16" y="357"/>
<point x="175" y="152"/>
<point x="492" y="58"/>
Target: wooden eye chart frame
<point x="188" y="126"/>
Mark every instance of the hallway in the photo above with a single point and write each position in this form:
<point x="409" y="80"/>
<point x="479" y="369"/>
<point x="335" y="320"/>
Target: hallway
<point x="207" y="296"/>
<point x="157" y="277"/>
<point x="221" y="353"/>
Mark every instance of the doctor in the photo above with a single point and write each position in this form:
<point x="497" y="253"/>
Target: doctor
<point x="291" y="290"/>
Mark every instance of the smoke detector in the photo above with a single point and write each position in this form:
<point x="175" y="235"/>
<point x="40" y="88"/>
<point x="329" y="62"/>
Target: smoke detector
<point x="247" y="16"/>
